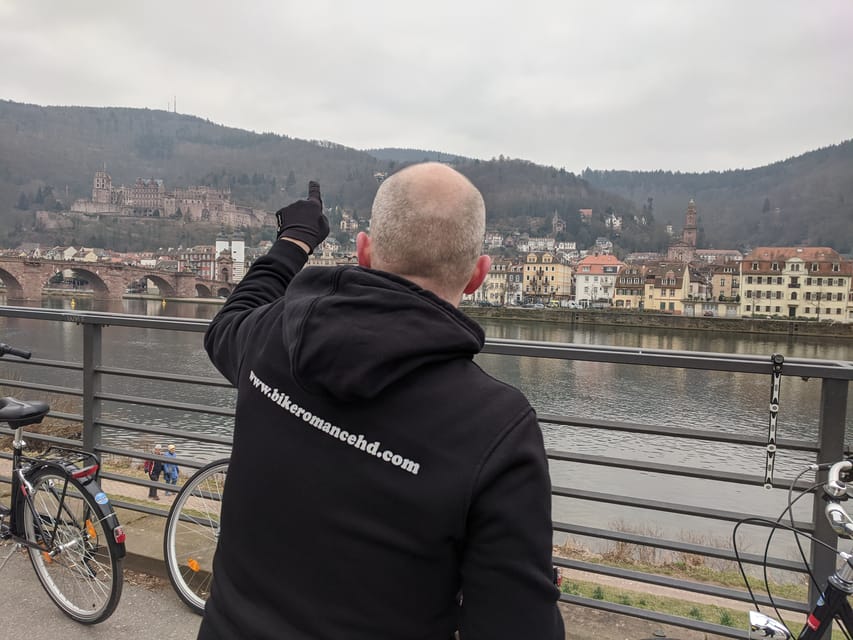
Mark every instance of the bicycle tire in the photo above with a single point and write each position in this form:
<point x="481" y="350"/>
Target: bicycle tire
<point x="192" y="533"/>
<point x="85" y="577"/>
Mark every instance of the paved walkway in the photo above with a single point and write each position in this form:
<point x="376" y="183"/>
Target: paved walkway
<point x="148" y="608"/>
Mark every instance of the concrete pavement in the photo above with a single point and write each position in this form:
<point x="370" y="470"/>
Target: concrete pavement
<point x="149" y="608"/>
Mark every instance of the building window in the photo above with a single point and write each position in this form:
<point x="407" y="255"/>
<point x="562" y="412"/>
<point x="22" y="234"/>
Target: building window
<point x="748" y="308"/>
<point x="808" y="309"/>
<point x="836" y="266"/>
<point x="778" y="309"/>
<point x="793" y="295"/>
<point x="748" y="279"/>
<point x="774" y="266"/>
<point x="815" y="266"/>
<point x="755" y="266"/>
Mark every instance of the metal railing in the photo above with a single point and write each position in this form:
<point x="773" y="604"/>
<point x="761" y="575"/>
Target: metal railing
<point x="130" y="441"/>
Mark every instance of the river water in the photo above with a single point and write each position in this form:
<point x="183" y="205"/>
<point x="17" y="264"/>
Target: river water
<point x="736" y="403"/>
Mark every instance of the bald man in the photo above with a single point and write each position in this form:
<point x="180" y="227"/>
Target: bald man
<point x="381" y="486"/>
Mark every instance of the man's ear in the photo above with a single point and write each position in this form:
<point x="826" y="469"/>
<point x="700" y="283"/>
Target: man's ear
<point x="362" y="249"/>
<point x="481" y="270"/>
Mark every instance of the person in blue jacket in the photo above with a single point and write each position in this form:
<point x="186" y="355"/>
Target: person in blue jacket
<point x="377" y="472"/>
<point x="170" y="470"/>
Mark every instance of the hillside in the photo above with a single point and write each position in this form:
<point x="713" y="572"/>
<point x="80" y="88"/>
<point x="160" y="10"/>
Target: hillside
<point x="807" y="199"/>
<point x="48" y="157"/>
<point x="62" y="147"/>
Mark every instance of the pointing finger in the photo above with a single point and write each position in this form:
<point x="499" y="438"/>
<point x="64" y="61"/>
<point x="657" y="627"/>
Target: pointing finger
<point x="314" y="191"/>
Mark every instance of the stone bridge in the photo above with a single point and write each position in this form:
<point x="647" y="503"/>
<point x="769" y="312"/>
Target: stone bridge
<point x="25" y="279"/>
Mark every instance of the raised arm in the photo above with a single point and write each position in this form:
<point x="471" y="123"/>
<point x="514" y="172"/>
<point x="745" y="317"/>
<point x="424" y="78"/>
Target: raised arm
<point x="301" y="227"/>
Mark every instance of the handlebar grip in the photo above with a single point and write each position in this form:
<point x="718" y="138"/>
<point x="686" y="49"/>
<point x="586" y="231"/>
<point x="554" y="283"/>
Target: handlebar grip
<point x="12" y="351"/>
<point x="835" y="486"/>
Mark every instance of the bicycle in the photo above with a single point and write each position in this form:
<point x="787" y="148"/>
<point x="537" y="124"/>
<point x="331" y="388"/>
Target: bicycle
<point x="63" y="519"/>
<point x="832" y="604"/>
<point x="192" y="533"/>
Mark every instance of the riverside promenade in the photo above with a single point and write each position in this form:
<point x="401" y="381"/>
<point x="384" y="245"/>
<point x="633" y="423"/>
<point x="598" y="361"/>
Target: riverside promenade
<point x="150" y="608"/>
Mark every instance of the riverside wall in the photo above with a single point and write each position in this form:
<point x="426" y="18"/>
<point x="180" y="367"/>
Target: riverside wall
<point x="666" y="321"/>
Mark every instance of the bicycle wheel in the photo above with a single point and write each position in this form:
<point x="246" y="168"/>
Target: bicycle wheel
<point x="192" y="532"/>
<point x="78" y="565"/>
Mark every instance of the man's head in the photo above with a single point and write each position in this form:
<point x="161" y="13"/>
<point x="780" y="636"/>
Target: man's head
<point x="158" y="448"/>
<point x="427" y="225"/>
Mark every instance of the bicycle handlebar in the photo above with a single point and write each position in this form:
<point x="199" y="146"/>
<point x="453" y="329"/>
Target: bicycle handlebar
<point x="836" y="490"/>
<point x="12" y="351"/>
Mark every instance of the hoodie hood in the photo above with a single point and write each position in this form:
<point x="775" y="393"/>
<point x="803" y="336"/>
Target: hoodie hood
<point x="350" y="332"/>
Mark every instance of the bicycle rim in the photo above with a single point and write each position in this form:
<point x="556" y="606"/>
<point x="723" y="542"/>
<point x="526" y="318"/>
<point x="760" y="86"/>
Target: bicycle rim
<point x="78" y="564"/>
<point x="192" y="532"/>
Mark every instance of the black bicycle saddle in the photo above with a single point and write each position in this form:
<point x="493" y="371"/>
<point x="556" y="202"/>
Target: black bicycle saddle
<point x="21" y="412"/>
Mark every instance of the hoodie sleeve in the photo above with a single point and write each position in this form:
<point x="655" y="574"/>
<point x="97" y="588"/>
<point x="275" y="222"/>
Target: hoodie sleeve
<point x="508" y="586"/>
<point x="231" y="329"/>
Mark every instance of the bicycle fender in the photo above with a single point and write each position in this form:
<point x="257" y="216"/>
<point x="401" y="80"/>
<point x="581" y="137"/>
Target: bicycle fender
<point x="107" y="516"/>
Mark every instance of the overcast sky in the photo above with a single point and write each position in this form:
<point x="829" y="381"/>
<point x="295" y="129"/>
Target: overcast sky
<point x="688" y="85"/>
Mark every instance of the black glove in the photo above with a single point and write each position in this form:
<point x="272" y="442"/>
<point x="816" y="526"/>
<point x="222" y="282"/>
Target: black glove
<point x="304" y="219"/>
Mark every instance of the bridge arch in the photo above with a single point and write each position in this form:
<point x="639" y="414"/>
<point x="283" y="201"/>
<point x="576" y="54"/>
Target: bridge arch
<point x="14" y="288"/>
<point x="167" y="290"/>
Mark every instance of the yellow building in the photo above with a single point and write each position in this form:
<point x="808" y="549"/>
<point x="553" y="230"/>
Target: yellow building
<point x="667" y="287"/>
<point x="546" y="279"/>
<point x="630" y="287"/>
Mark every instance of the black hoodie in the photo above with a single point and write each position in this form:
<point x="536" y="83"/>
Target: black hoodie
<point x="377" y="471"/>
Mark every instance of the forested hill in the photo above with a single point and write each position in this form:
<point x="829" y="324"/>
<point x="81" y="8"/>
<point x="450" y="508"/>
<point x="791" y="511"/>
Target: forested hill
<point x="56" y="150"/>
<point x="62" y="147"/>
<point x="806" y="199"/>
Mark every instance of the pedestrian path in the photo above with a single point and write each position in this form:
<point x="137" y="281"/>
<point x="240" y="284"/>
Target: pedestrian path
<point x="149" y="608"/>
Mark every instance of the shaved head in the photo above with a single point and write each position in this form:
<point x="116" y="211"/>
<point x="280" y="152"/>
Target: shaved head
<point x="428" y="223"/>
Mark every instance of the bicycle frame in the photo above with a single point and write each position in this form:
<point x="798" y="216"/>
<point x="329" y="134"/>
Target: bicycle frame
<point x="21" y="497"/>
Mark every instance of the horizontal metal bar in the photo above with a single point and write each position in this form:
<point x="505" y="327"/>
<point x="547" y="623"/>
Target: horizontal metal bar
<point x="52" y="364"/>
<point x="47" y="388"/>
<point x="681" y="547"/>
<point x="654" y="616"/>
<point x="153" y="375"/>
<point x="675" y="432"/>
<point x="657" y="505"/>
<point x="669" y="469"/>
<point x="676" y="583"/>
<point x="41" y="437"/>
<point x="107" y="319"/>
<point x="840" y="370"/>
<point x="164" y="404"/>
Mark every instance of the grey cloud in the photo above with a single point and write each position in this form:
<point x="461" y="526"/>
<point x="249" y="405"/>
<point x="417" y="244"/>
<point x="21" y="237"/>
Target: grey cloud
<point x="654" y="84"/>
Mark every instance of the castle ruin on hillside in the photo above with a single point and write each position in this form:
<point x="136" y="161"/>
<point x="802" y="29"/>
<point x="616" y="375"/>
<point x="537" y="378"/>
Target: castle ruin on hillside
<point x="149" y="198"/>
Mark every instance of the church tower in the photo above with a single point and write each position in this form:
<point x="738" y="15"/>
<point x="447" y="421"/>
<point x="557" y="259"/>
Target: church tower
<point x="688" y="236"/>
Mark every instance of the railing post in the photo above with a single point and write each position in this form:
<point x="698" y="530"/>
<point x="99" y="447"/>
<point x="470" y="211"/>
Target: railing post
<point x="91" y="387"/>
<point x="833" y="419"/>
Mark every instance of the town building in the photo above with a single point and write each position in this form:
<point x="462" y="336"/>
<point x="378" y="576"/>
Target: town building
<point x="595" y="280"/>
<point x="546" y="278"/>
<point x="630" y="287"/>
<point x="796" y="282"/>
<point x="667" y="287"/>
